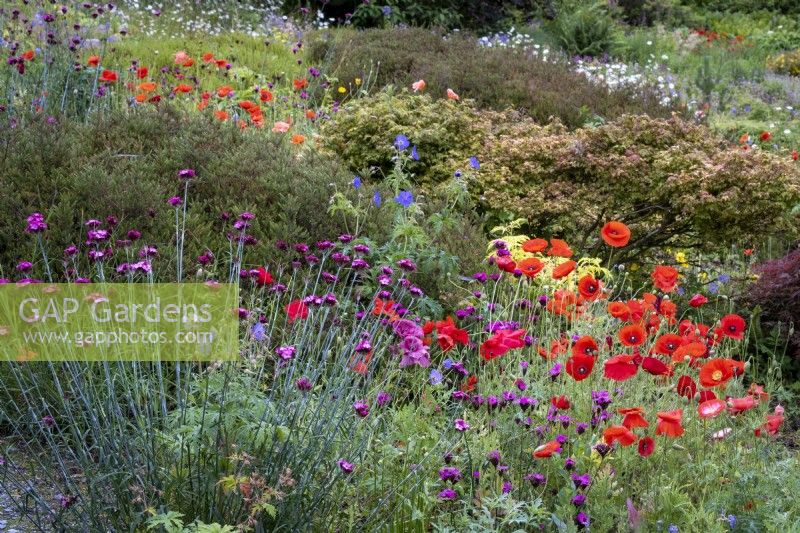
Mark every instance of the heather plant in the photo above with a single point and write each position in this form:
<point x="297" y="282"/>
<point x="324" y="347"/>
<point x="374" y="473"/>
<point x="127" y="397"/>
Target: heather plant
<point x="494" y="78"/>
<point x="675" y="182"/>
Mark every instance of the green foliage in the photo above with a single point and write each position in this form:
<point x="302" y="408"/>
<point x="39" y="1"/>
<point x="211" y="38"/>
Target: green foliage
<point x="122" y="166"/>
<point x="586" y="30"/>
<point x="673" y="182"/>
<point x="446" y="134"/>
<point x="493" y="78"/>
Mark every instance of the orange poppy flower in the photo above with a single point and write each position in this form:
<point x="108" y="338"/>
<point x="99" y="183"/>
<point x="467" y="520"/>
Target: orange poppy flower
<point x="619" y="310"/>
<point x="559" y="248"/>
<point x="589" y="287"/>
<point x="665" y="278"/>
<point x="208" y="57"/>
<point x="632" y="335"/>
<point x="547" y="450"/>
<point x="715" y="373"/>
<point x="224" y="91"/>
<point x="28" y="55"/>
<point x="265" y="95"/>
<point x="108" y="76"/>
<point x="247" y="105"/>
<point x="300" y="83"/>
<point x="564" y="269"/>
<point x="633" y="417"/>
<point x="620" y="434"/>
<point x="530" y="267"/>
<point x="693" y="350"/>
<point x="141" y="97"/>
<point x="534" y="246"/>
<point x="311" y="114"/>
<point x="298" y="139"/>
<point x="188" y="63"/>
<point x="147" y="86"/>
<point x="183" y="88"/>
<point x="93" y="61"/>
<point x="221" y="115"/>
<point x="710" y="408"/>
<point x="669" y="423"/>
<point x="615" y="234"/>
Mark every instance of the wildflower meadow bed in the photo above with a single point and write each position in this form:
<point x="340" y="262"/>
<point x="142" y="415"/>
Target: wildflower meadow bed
<point x="452" y="315"/>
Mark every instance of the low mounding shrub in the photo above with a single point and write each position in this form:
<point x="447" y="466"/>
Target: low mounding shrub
<point x="445" y="133"/>
<point x="673" y="182"/>
<point x="777" y="294"/>
<point x="126" y="166"/>
<point x="496" y="79"/>
<point x="786" y="63"/>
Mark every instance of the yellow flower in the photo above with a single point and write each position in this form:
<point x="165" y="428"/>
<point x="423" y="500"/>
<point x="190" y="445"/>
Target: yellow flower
<point x="680" y="257"/>
<point x="702" y="276"/>
<point x="634" y="267"/>
<point x="342" y="90"/>
<point x="358" y="81"/>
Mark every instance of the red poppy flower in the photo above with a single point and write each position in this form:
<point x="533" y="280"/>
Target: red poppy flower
<point x="665" y="278"/>
<point x="589" y="287"/>
<point x="501" y="342"/>
<point x="469" y="385"/>
<point x="586" y="345"/>
<point x="141" y="73"/>
<point x="715" y="373"/>
<point x="615" y="234"/>
<point x="560" y="402"/>
<point x="183" y="88"/>
<point x="795" y="155"/>
<point x="534" y="246"/>
<point x="300" y="83"/>
<point x="740" y="405"/>
<point x="686" y="387"/>
<point x="698" y="300"/>
<point x="666" y="344"/>
<point x="765" y="136"/>
<point x="564" y="269"/>
<point x="448" y="334"/>
<point x="653" y="366"/>
<point x="547" y="450"/>
<point x="619" y="310"/>
<point x="264" y="95"/>
<point x="93" y="61"/>
<point x="646" y="446"/>
<point x="27" y="56"/>
<point x="620" y="367"/>
<point x="706" y="395"/>
<point x="580" y="366"/>
<point x="559" y="248"/>
<point x="208" y="57"/>
<point x="384" y="307"/>
<point x="710" y="408"/>
<point x="108" y="76"/>
<point x="632" y="335"/>
<point x="732" y="326"/>
<point x="620" y="434"/>
<point x="530" y="267"/>
<point x="773" y="423"/>
<point x="669" y="423"/>
<point x="757" y="391"/>
<point x="296" y="309"/>
<point x="633" y="418"/>
<point x="263" y="277"/>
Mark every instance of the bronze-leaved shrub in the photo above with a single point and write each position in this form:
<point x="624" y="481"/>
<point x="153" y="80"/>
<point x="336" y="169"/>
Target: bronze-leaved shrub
<point x="673" y="182"/>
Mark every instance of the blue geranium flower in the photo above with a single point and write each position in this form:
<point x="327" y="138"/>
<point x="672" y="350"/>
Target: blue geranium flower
<point x="405" y="198"/>
<point x="474" y="163"/>
<point x="258" y="332"/>
<point x="414" y="154"/>
<point x="401" y="142"/>
<point x="357" y="182"/>
<point x="376" y="199"/>
<point x="435" y="377"/>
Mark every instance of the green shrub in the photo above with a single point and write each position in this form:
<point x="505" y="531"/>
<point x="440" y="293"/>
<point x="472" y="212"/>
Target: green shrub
<point x="124" y="167"/>
<point x="786" y="63"/>
<point x="493" y="78"/>
<point x="673" y="182"/>
<point x="445" y="132"/>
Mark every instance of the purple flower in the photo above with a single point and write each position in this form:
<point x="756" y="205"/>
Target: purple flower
<point x="383" y="398"/>
<point x="448" y="494"/>
<point x="414" y="154"/>
<point x="407" y="328"/>
<point x="582" y="520"/>
<point x="286" y="352"/>
<point x="346" y="467"/>
<point x="449" y="473"/>
<point x="461" y="425"/>
<point x="36" y="223"/>
<point x="404" y="198"/>
<point x="304" y="384"/>
<point x="536" y="478"/>
<point x="578" y="500"/>
<point x="175" y="201"/>
<point x="401" y="142"/>
<point x="493" y="457"/>
<point x="24" y="266"/>
<point x="186" y="173"/>
<point x="361" y="408"/>
<point x="507" y="487"/>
